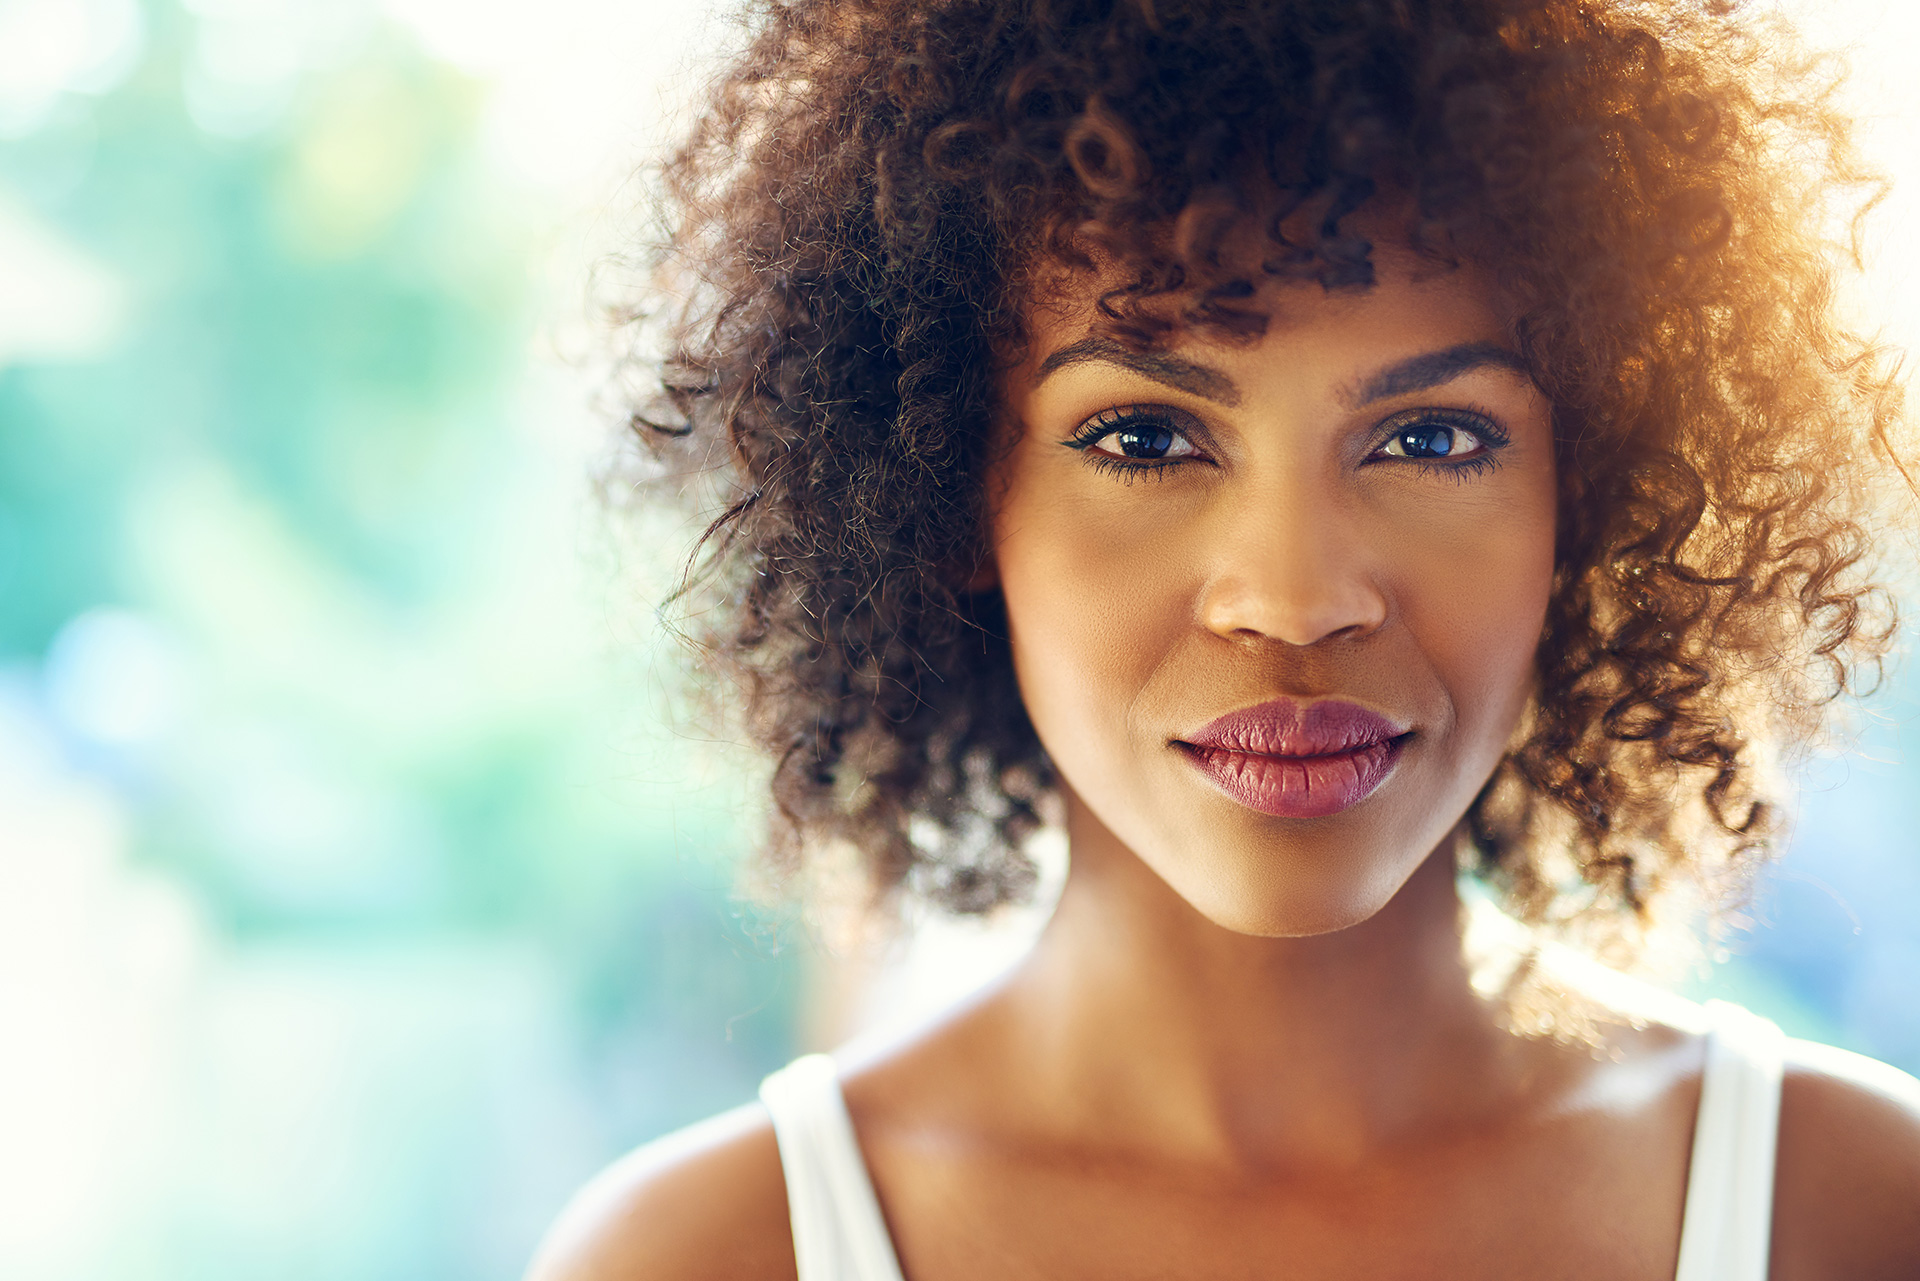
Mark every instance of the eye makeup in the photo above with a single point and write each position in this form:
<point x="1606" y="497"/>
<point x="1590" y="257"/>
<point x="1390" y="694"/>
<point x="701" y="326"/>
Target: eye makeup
<point x="1139" y="440"/>
<point x="1430" y="439"/>
<point x="1146" y="439"/>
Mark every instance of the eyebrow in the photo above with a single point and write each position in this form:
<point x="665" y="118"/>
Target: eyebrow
<point x="1434" y="368"/>
<point x="1416" y="373"/>
<point x="1169" y="371"/>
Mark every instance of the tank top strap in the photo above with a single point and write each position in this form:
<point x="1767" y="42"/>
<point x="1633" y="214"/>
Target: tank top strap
<point x="838" y="1232"/>
<point x="1727" y="1230"/>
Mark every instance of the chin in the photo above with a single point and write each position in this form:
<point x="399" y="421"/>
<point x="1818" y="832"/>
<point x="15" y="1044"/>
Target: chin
<point x="1269" y="893"/>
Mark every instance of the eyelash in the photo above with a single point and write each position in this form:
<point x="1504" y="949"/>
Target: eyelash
<point x="1108" y="421"/>
<point x="1492" y="437"/>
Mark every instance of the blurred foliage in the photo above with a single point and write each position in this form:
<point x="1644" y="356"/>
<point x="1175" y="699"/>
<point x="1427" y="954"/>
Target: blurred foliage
<point x="291" y="550"/>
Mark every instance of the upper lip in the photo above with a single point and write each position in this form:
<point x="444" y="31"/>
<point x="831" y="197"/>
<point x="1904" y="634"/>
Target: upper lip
<point x="1286" y="727"/>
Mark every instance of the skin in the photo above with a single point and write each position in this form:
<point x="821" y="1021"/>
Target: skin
<point x="1250" y="1045"/>
<point x="1290" y="555"/>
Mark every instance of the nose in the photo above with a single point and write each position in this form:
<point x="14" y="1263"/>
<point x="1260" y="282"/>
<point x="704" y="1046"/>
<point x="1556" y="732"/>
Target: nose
<point x="1292" y="567"/>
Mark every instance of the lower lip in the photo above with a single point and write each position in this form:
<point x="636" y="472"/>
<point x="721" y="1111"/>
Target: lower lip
<point x="1299" y="786"/>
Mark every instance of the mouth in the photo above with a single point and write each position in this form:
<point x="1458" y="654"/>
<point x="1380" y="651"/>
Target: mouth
<point x="1289" y="761"/>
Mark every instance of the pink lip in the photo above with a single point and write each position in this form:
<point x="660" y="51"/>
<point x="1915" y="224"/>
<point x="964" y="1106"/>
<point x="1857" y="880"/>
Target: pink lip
<point x="1293" y="762"/>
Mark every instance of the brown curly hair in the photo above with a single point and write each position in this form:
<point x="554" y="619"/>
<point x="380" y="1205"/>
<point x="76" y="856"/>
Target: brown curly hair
<point x="854" y="226"/>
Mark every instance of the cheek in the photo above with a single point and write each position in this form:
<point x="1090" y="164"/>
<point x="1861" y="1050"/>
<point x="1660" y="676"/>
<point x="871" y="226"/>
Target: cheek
<point x="1476" y="603"/>
<point x="1093" y="606"/>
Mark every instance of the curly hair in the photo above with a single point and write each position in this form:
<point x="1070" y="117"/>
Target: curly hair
<point x="1661" y="192"/>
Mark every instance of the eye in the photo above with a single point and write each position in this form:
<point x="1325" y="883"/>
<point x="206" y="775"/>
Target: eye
<point x="1135" y="434"/>
<point x="1151" y="441"/>
<point x="1431" y="440"/>
<point x="1439" y="435"/>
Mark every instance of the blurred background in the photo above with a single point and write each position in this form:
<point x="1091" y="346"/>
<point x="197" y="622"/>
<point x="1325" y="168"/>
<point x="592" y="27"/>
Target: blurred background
<point x="356" y="899"/>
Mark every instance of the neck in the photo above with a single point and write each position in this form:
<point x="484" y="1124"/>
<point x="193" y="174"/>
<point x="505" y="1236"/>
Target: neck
<point x="1140" y="1019"/>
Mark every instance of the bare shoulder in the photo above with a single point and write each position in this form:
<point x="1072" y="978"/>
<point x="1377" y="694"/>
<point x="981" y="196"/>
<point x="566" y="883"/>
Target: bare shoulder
<point x="1847" y="1194"/>
<point x="707" y="1202"/>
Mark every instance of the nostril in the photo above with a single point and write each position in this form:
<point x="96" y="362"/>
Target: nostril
<point x="1298" y="613"/>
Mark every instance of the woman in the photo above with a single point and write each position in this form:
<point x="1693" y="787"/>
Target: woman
<point x="1317" y="445"/>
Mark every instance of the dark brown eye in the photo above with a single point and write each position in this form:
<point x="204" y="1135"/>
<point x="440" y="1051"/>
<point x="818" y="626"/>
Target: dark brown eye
<point x="1139" y="437"/>
<point x="1432" y="440"/>
<point x="1145" y="441"/>
<point x="1436" y="435"/>
<point x="1141" y="442"/>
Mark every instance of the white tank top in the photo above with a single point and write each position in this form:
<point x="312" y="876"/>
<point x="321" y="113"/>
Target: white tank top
<point x="839" y="1234"/>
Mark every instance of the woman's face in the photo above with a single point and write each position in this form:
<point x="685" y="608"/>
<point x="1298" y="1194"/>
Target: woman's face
<point x="1274" y="604"/>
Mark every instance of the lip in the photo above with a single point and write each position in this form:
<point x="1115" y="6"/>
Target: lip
<point x="1294" y="761"/>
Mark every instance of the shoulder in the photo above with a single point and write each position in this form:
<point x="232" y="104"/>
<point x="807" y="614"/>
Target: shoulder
<point x="707" y="1202"/>
<point x="1847" y="1191"/>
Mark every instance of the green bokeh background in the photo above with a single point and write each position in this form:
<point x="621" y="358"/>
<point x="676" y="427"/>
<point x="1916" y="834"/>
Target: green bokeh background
<point x="403" y="908"/>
